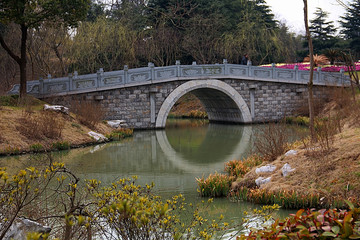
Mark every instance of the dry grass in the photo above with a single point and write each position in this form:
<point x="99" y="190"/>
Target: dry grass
<point x="330" y="167"/>
<point x="13" y="140"/>
<point x="336" y="174"/>
<point x="88" y="113"/>
<point x="41" y="125"/>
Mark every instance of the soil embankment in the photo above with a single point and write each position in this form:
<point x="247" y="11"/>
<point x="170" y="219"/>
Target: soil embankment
<point x="31" y="129"/>
<point x="328" y="168"/>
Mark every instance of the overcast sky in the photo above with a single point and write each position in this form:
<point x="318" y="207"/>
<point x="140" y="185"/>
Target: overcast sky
<point x="292" y="11"/>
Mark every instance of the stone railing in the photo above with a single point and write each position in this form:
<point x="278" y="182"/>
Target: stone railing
<point x="101" y="80"/>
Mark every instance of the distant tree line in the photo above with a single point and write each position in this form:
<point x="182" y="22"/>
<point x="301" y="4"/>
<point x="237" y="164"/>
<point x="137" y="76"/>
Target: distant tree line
<point x="135" y="32"/>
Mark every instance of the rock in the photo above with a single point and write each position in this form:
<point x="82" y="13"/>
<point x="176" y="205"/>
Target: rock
<point x="265" y="169"/>
<point x="98" y="137"/>
<point x="21" y="227"/>
<point x="261" y="180"/>
<point x="56" y="108"/>
<point x="291" y="153"/>
<point x="116" y="123"/>
<point x="286" y="169"/>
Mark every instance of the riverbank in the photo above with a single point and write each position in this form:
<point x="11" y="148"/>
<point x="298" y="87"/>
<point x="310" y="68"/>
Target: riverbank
<point x="323" y="174"/>
<point x="318" y="179"/>
<point x="28" y="128"/>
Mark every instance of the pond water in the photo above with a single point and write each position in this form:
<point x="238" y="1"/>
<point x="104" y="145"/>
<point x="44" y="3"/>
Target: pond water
<point x="170" y="158"/>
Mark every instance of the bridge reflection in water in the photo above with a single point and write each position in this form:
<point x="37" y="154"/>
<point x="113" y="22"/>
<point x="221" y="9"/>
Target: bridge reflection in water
<point x="170" y="158"/>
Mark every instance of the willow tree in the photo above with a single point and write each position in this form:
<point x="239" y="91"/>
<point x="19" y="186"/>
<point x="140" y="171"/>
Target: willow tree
<point x="104" y="43"/>
<point x="28" y="14"/>
<point x="311" y="77"/>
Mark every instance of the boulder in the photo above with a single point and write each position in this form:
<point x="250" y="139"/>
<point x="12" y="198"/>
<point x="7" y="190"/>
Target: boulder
<point x="98" y="136"/>
<point x="261" y="180"/>
<point x="286" y="169"/>
<point x="56" y="108"/>
<point x="291" y="153"/>
<point x="265" y="169"/>
<point x="116" y="123"/>
<point x="22" y="226"/>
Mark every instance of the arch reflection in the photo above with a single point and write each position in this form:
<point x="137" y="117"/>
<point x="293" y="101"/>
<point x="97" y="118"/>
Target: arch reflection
<point x="207" y="153"/>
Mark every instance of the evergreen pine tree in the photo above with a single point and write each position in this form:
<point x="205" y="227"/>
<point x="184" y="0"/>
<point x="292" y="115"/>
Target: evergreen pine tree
<point x="322" y="31"/>
<point x="351" y="24"/>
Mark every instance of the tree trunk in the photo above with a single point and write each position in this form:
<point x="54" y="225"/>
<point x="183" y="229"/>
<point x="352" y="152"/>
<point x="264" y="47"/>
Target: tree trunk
<point x="22" y="63"/>
<point x="310" y="83"/>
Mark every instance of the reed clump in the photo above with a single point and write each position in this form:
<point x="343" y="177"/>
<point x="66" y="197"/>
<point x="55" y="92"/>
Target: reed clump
<point x="215" y="185"/>
<point x="289" y="199"/>
<point x="121" y="133"/>
<point x="219" y="185"/>
<point x="238" y="168"/>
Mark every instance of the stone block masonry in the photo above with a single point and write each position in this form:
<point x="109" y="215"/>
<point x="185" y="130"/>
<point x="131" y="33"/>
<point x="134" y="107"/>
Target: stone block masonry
<point x="226" y="100"/>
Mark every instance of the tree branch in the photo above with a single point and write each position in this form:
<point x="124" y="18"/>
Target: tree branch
<point x="8" y="50"/>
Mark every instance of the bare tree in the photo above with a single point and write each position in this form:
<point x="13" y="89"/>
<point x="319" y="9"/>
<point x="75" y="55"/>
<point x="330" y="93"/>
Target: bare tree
<point x="311" y="77"/>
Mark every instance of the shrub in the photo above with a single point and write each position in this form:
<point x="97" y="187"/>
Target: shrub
<point x="325" y="130"/>
<point x="133" y="212"/>
<point x="41" y="124"/>
<point x="11" y="150"/>
<point x="120" y="134"/>
<point x="37" y="147"/>
<point x="301" y="121"/>
<point x="88" y="113"/>
<point x="215" y="185"/>
<point x="197" y="114"/>
<point x="21" y="192"/>
<point x="61" y="145"/>
<point x="311" y="224"/>
<point x="272" y="141"/>
<point x="318" y="59"/>
<point x="11" y="100"/>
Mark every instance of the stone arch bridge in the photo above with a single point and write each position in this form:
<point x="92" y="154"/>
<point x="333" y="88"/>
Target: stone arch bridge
<point x="143" y="97"/>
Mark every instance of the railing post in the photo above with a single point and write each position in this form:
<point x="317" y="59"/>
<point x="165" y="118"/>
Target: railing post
<point x="249" y="68"/>
<point x="99" y="74"/>
<point x="319" y="74"/>
<point x="178" y="70"/>
<point x="296" y="68"/>
<point x="342" y="76"/>
<point x="273" y="68"/>
<point x="226" y="69"/>
<point x="126" y="74"/>
<point x="70" y="82"/>
<point x="41" y="86"/>
<point x="152" y="72"/>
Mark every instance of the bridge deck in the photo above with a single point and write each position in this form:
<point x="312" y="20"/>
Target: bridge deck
<point x="75" y="84"/>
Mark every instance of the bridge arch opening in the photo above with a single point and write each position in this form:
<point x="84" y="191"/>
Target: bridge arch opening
<point x="221" y="102"/>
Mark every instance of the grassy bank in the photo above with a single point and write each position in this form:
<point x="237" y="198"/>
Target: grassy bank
<point x="326" y="172"/>
<point x="25" y="127"/>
